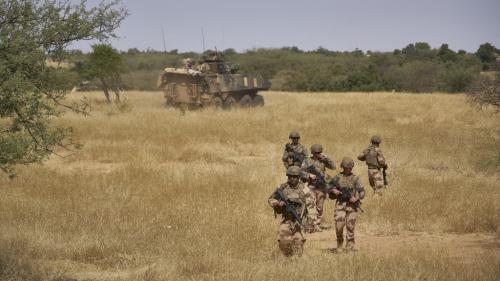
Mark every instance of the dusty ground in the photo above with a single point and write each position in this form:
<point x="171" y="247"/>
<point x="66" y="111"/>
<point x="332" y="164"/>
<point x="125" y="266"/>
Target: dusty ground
<point x="462" y="248"/>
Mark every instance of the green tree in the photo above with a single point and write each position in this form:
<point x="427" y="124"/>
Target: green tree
<point x="106" y="64"/>
<point x="31" y="91"/>
<point x="487" y="53"/>
<point x="446" y="54"/>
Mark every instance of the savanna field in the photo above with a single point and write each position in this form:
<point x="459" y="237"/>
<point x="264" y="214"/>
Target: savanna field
<point x="155" y="194"/>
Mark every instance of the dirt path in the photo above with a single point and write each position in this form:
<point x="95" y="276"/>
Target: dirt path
<point x="464" y="247"/>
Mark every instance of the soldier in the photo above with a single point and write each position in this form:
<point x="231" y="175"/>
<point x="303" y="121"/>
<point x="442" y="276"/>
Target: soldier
<point x="294" y="153"/>
<point x="375" y="161"/>
<point x="290" y="238"/>
<point x="190" y="66"/>
<point x="311" y="212"/>
<point x="317" y="165"/>
<point x="348" y="192"/>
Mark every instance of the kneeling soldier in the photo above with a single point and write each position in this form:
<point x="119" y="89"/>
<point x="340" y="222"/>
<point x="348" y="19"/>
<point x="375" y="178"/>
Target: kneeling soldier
<point x="348" y="191"/>
<point x="289" y="200"/>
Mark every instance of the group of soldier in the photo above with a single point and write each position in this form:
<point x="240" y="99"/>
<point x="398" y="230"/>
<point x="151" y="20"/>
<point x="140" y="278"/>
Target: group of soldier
<point x="301" y="199"/>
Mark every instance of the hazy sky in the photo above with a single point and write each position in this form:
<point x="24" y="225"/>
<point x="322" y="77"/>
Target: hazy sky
<point x="377" y="25"/>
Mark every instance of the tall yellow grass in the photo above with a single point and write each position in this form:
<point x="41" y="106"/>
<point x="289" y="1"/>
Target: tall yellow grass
<point x="159" y="195"/>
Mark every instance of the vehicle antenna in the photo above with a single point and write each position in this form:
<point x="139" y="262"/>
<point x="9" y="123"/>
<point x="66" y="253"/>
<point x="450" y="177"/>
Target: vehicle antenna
<point x="163" y="37"/>
<point x="203" y="39"/>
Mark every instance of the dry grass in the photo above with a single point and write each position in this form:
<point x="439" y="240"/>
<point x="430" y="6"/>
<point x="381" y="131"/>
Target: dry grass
<point x="158" y="195"/>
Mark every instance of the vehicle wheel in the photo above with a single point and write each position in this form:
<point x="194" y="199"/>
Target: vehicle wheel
<point x="246" y="101"/>
<point x="258" y="101"/>
<point x="217" y="102"/>
<point x="169" y="104"/>
<point x="229" y="103"/>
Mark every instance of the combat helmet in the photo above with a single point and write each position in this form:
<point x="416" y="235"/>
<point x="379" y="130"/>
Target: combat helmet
<point x="347" y="162"/>
<point x="304" y="175"/>
<point x="316" y="148"/>
<point x="293" y="171"/>
<point x="376" y="139"/>
<point x="293" y="135"/>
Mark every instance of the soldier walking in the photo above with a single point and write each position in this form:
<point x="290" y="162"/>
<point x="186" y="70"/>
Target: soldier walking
<point x="311" y="214"/>
<point x="317" y="165"/>
<point x="294" y="153"/>
<point x="290" y="238"/>
<point x="375" y="161"/>
<point x="348" y="192"/>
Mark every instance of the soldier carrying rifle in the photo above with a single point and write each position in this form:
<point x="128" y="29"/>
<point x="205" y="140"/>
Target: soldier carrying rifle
<point x="294" y="153"/>
<point x="289" y="200"/>
<point x="347" y="190"/>
<point x="375" y="161"/>
<point x="316" y="166"/>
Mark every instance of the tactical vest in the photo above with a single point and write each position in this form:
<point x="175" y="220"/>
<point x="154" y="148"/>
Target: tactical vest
<point x="372" y="158"/>
<point x="296" y="195"/>
<point x="342" y="181"/>
<point x="298" y="149"/>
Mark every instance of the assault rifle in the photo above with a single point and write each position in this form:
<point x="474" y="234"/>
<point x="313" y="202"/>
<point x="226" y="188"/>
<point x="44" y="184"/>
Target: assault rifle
<point x="289" y="208"/>
<point x="386" y="179"/>
<point x="345" y="196"/>
<point x="320" y="178"/>
<point x="297" y="157"/>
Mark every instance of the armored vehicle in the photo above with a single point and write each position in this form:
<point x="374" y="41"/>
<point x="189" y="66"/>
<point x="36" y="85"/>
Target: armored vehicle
<point x="212" y="83"/>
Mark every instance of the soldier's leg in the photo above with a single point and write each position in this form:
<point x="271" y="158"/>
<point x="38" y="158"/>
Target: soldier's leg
<point x="340" y="222"/>
<point x="285" y="239"/>
<point x="370" y="178"/>
<point x="378" y="181"/>
<point x="350" y="225"/>
<point x="311" y="219"/>
<point x="312" y="213"/>
<point x="297" y="243"/>
<point x="320" y="201"/>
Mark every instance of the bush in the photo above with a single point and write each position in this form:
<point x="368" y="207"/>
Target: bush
<point x="486" y="90"/>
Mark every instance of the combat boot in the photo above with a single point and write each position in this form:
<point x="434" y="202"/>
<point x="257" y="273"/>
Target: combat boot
<point x="340" y="247"/>
<point x="350" y="246"/>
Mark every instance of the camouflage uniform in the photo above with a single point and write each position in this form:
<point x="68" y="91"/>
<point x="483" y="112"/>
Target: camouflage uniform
<point x="311" y="214"/>
<point x="317" y="187"/>
<point x="375" y="161"/>
<point x="345" y="211"/>
<point x="290" y="239"/>
<point x="294" y="153"/>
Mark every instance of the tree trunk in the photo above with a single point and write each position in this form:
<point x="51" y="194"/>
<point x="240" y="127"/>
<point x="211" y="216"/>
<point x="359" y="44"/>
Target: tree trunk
<point x="105" y="89"/>
<point x="117" y="94"/>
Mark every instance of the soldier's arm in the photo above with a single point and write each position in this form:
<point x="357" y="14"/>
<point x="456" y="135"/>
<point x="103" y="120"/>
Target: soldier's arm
<point x="273" y="202"/>
<point x="362" y="156"/>
<point x="381" y="159"/>
<point x="284" y="159"/>
<point x="359" y="188"/>
<point x="329" y="163"/>
<point x="304" y="152"/>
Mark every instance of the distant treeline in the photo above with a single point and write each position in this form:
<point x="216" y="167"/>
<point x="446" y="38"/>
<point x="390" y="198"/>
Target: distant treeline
<point x="414" y="68"/>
